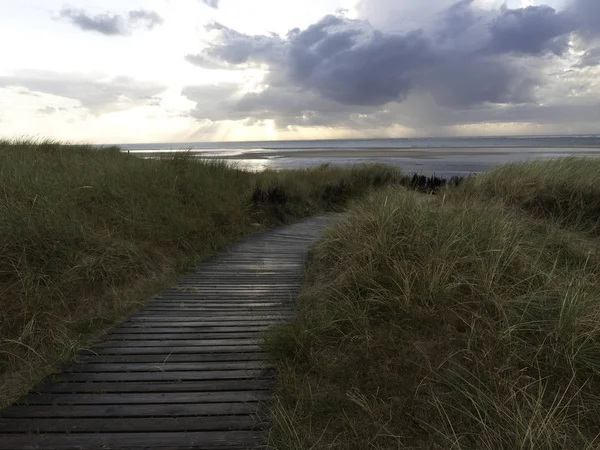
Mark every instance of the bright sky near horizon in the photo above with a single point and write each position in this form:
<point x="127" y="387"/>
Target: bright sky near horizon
<point x="124" y="71"/>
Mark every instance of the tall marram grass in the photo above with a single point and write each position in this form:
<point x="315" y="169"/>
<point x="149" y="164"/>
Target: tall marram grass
<point x="563" y="190"/>
<point x="453" y="321"/>
<point x="87" y="234"/>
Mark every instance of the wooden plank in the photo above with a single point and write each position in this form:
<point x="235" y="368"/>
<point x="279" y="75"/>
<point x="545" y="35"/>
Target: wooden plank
<point x="225" y="286"/>
<point x="167" y="367"/>
<point x="143" y="398"/>
<point x="241" y="306"/>
<point x="226" y="298"/>
<point x="229" y="285"/>
<point x="225" y="290"/>
<point x="277" y="306"/>
<point x="266" y="300"/>
<point x="180" y="329"/>
<point x="158" y="410"/>
<point x="220" y="312"/>
<point x="114" y="425"/>
<point x="194" y="321"/>
<point x="180" y="336"/>
<point x="175" y="350"/>
<point x="179" y="343"/>
<point x="205" y="273"/>
<point x="207" y="298"/>
<point x="169" y="357"/>
<point x="156" y="386"/>
<point x="183" y="314"/>
<point x="240" y="280"/>
<point x="206" y="440"/>
<point x="163" y="376"/>
<point x="197" y="323"/>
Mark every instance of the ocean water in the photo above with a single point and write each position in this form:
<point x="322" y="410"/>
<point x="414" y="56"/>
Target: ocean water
<point x="428" y="156"/>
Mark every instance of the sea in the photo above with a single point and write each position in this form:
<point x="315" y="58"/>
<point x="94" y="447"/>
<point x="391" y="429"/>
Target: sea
<point x="444" y="157"/>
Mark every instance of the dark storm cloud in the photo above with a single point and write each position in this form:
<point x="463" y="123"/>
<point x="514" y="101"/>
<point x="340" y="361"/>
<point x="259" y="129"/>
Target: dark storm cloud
<point x="349" y="63"/>
<point x="533" y="30"/>
<point x="340" y="71"/>
<point x="468" y="82"/>
<point x="112" y="24"/>
<point x="584" y="16"/>
<point x="343" y="60"/>
<point x="453" y="21"/>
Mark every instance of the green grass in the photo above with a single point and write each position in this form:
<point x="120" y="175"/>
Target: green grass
<point x="466" y="320"/>
<point x="88" y="234"/>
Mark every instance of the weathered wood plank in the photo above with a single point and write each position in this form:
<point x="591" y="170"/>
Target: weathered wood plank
<point x="167" y="367"/>
<point x="179" y="343"/>
<point x="195" y="322"/>
<point x="159" y="410"/>
<point x="156" y="386"/>
<point x="253" y="318"/>
<point x="113" y="425"/>
<point x="185" y="329"/>
<point x="181" y="336"/>
<point x="162" y="376"/>
<point x="197" y="306"/>
<point x="169" y="357"/>
<point x="176" y="350"/>
<point x="206" y="440"/>
<point x="222" y="313"/>
<point x="143" y="398"/>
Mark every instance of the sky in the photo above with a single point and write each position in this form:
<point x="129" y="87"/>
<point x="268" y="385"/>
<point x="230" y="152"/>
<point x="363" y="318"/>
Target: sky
<point x="141" y="71"/>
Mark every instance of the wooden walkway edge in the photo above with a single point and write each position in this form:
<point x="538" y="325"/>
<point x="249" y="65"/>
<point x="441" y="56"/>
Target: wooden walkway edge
<point x="185" y="372"/>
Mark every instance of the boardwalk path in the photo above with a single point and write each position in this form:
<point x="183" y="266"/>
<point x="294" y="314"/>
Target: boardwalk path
<point x="185" y="372"/>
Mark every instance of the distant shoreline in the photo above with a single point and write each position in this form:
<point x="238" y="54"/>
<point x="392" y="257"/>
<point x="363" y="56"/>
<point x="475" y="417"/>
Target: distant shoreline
<point x="361" y="152"/>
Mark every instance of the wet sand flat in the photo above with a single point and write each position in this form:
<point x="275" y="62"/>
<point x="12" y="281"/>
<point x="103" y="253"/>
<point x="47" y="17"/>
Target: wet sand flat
<point x="398" y="153"/>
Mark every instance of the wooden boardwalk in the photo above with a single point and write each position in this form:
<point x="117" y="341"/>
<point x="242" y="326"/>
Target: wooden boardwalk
<point x="185" y="372"/>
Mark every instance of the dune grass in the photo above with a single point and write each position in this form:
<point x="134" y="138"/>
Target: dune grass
<point x="466" y="320"/>
<point x="88" y="234"/>
<point x="565" y="191"/>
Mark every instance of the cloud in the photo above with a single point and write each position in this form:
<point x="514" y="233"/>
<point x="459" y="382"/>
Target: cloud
<point x="112" y="24"/>
<point x="145" y="19"/>
<point x="211" y="3"/>
<point x="584" y="15"/>
<point x="97" y="94"/>
<point x="343" y="60"/>
<point x="103" y="23"/>
<point x="49" y="110"/>
<point x="465" y="61"/>
<point x="590" y="58"/>
<point x="232" y="48"/>
<point x="533" y="30"/>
